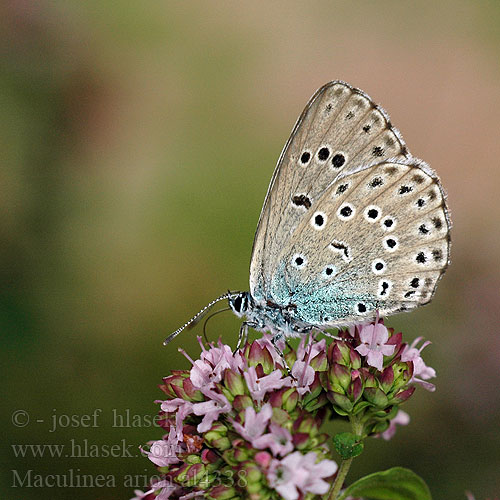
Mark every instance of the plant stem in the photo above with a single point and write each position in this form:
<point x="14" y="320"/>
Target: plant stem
<point x="345" y="465"/>
<point x="339" y="480"/>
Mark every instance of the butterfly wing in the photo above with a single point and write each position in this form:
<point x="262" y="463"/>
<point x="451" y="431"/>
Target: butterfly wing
<point x="340" y="130"/>
<point x="376" y="239"/>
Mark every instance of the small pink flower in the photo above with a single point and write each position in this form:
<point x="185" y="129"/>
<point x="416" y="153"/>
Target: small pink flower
<point x="312" y="349"/>
<point x="164" y="452"/>
<point x="211" y="409"/>
<point x="401" y="418"/>
<point x="265" y="343"/>
<point x="298" y="473"/>
<point x="279" y="440"/>
<point x="421" y="372"/>
<point x="255" y="423"/>
<point x="373" y="346"/>
<point x="303" y="375"/>
<point x="181" y="408"/>
<point x="258" y="387"/>
<point x="210" y="367"/>
<point x="167" y="489"/>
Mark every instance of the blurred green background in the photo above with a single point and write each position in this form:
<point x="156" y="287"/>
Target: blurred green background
<point x="137" y="141"/>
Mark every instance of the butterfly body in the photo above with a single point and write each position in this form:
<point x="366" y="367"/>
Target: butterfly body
<point x="279" y="320"/>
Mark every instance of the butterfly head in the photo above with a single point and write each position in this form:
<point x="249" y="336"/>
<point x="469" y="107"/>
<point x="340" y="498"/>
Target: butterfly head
<point x="240" y="303"/>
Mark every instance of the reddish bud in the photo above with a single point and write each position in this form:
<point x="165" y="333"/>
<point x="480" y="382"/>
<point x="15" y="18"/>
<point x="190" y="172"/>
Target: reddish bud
<point x="208" y="456"/>
<point x="386" y="379"/>
<point x="263" y="458"/>
<point x="403" y="395"/>
<point x="355" y="389"/>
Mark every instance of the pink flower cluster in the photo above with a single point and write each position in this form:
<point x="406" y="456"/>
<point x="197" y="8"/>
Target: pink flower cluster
<point x="238" y="425"/>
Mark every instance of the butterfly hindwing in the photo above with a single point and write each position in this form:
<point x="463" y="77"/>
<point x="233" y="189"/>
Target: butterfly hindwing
<point x="339" y="131"/>
<point x="376" y="239"/>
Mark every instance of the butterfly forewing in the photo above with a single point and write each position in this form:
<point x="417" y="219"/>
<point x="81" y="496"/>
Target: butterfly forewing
<point x="339" y="131"/>
<point x="376" y="239"/>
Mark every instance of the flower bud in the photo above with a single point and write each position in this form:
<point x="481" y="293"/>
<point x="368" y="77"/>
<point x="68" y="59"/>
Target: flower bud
<point x="217" y="437"/>
<point x="355" y="389"/>
<point x="290" y="398"/>
<point x="208" y="456"/>
<point x="191" y="474"/>
<point x="319" y="362"/>
<point x="339" y="378"/>
<point x="386" y="379"/>
<point x="250" y="477"/>
<point x="169" y="383"/>
<point x="342" y="404"/>
<point x="334" y="355"/>
<point x="376" y="397"/>
<point x="222" y="492"/>
<point x="355" y="358"/>
<point x="260" y="355"/>
<point x="241" y="454"/>
<point x="368" y="378"/>
<point x="242" y="402"/>
<point x="300" y="440"/>
<point x="234" y="383"/>
<point x="403" y="395"/>
<point x="263" y="458"/>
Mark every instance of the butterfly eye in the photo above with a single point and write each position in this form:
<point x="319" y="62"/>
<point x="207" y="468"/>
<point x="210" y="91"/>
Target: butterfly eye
<point x="299" y="261"/>
<point x="318" y="220"/>
<point x="391" y="244"/>
<point x="378" y="266"/>
<point x="372" y="213"/>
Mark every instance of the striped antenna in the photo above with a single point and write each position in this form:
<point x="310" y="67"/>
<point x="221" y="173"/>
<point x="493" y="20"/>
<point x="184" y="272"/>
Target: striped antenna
<point x="196" y="317"/>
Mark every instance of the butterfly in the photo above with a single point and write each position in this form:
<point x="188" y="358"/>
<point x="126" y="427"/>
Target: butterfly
<point x="352" y="227"/>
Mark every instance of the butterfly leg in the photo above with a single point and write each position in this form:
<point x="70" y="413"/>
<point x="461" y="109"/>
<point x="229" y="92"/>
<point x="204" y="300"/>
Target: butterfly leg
<point x="243" y="335"/>
<point x="275" y="340"/>
<point x="326" y="333"/>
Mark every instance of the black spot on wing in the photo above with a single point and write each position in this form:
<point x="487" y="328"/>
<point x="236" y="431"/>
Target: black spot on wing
<point x="338" y="160"/>
<point x="302" y="201"/>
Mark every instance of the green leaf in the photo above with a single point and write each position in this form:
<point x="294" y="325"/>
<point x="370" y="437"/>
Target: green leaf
<point x="393" y="484"/>
<point x="347" y="445"/>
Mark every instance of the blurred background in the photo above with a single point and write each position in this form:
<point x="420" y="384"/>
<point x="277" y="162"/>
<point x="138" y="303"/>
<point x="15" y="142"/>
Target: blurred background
<point x="137" y="141"/>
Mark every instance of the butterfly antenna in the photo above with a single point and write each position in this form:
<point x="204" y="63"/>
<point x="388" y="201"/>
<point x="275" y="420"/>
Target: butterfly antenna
<point x="196" y="317"/>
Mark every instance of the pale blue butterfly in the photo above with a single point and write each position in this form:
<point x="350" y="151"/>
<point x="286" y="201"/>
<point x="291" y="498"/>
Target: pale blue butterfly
<point x="352" y="225"/>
